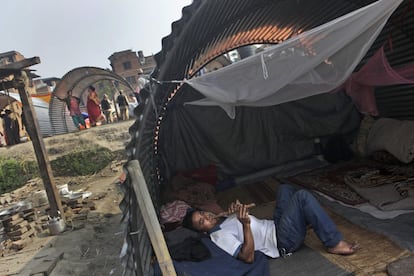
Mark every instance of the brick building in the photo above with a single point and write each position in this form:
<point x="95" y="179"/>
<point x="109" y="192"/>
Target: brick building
<point x="127" y="64"/>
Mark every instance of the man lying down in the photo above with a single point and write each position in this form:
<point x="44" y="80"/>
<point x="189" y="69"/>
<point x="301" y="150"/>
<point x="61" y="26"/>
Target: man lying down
<point x="240" y="234"/>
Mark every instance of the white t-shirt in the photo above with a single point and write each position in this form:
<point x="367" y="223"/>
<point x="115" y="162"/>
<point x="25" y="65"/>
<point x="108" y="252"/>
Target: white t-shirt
<point x="229" y="236"/>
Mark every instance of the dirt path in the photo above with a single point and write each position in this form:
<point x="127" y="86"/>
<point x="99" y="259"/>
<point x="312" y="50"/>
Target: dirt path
<point x="93" y="246"/>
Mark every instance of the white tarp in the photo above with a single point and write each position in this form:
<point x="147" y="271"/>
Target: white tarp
<point x="314" y="62"/>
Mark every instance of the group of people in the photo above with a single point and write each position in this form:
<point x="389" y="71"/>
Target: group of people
<point x="99" y="111"/>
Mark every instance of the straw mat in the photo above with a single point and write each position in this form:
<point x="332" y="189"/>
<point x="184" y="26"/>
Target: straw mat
<point x="375" y="254"/>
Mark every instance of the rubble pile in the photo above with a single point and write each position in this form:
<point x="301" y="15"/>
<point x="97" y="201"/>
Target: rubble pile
<point x="18" y="229"/>
<point x="24" y="213"/>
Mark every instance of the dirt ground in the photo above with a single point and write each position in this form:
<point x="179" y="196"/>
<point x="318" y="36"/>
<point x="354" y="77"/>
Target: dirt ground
<point x="91" y="246"/>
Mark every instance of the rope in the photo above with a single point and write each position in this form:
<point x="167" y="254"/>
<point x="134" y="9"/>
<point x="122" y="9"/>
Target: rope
<point x="165" y="82"/>
<point x="264" y="67"/>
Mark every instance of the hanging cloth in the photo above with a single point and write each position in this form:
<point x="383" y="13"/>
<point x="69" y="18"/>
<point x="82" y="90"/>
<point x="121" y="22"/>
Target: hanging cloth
<point x="376" y="72"/>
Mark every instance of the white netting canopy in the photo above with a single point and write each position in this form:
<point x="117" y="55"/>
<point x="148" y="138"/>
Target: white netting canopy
<point x="314" y="62"/>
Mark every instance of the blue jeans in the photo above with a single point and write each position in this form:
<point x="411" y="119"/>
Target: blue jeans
<point x="294" y="210"/>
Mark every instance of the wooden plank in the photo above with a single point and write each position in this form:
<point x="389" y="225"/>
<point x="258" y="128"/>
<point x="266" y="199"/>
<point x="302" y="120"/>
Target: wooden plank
<point x="13" y="223"/>
<point x="28" y="214"/>
<point x="20" y="244"/>
<point x="18" y="232"/>
<point x="32" y="125"/>
<point x="46" y="266"/>
<point x="150" y="218"/>
<point x="18" y="65"/>
<point x="23" y="236"/>
<point x="11" y="218"/>
<point x="24" y="223"/>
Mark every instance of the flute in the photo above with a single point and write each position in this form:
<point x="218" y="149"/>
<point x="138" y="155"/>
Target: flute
<point x="228" y="213"/>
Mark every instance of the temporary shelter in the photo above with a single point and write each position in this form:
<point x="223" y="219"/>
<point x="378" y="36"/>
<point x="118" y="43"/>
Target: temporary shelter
<point x="265" y="112"/>
<point x="77" y="80"/>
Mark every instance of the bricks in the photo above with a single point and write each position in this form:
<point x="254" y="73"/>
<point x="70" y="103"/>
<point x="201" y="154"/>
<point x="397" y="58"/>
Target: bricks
<point x="18" y="229"/>
<point x="19" y="245"/>
<point x="23" y="236"/>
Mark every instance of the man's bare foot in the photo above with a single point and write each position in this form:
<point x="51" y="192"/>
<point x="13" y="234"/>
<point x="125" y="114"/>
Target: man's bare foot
<point x="343" y="248"/>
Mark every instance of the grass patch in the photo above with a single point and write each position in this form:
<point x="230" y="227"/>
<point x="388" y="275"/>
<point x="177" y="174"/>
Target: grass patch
<point x="83" y="162"/>
<point x="15" y="173"/>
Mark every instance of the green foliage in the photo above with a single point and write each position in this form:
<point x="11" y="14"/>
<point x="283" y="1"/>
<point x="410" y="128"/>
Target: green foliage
<point x="14" y="173"/>
<point x="83" y="162"/>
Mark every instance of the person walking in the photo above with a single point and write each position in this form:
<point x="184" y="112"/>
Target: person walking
<point x="122" y="102"/>
<point x="72" y="103"/>
<point x="107" y="108"/>
<point x="93" y="106"/>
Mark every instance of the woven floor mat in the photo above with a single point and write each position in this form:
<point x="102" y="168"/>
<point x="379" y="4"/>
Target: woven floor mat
<point x="375" y="254"/>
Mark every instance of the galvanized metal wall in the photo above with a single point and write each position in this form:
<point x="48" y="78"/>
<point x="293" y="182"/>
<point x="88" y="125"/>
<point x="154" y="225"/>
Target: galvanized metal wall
<point x="60" y="120"/>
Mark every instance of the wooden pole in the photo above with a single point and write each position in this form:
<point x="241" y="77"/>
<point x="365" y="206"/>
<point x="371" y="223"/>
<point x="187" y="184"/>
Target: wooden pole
<point x="45" y="168"/>
<point x="150" y="218"/>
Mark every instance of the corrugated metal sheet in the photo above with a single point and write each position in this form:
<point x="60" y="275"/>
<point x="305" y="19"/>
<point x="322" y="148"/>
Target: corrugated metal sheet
<point x="42" y="113"/>
<point x="210" y="28"/>
<point x="60" y="119"/>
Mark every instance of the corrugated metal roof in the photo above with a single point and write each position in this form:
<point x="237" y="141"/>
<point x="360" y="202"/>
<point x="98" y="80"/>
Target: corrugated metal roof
<point x="210" y="28"/>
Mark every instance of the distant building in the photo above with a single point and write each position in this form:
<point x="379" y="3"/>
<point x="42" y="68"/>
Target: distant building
<point x="127" y="64"/>
<point x="46" y="85"/>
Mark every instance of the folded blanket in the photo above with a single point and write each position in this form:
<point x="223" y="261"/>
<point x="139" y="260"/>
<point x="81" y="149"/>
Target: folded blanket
<point x="394" y="136"/>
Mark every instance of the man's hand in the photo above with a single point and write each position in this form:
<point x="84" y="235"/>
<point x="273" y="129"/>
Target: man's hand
<point x="242" y="210"/>
<point x="246" y="253"/>
<point x="243" y="214"/>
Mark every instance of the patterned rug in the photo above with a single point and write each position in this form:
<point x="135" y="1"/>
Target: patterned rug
<point x="330" y="181"/>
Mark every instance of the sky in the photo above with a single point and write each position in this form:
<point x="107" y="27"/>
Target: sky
<point x="66" y="34"/>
